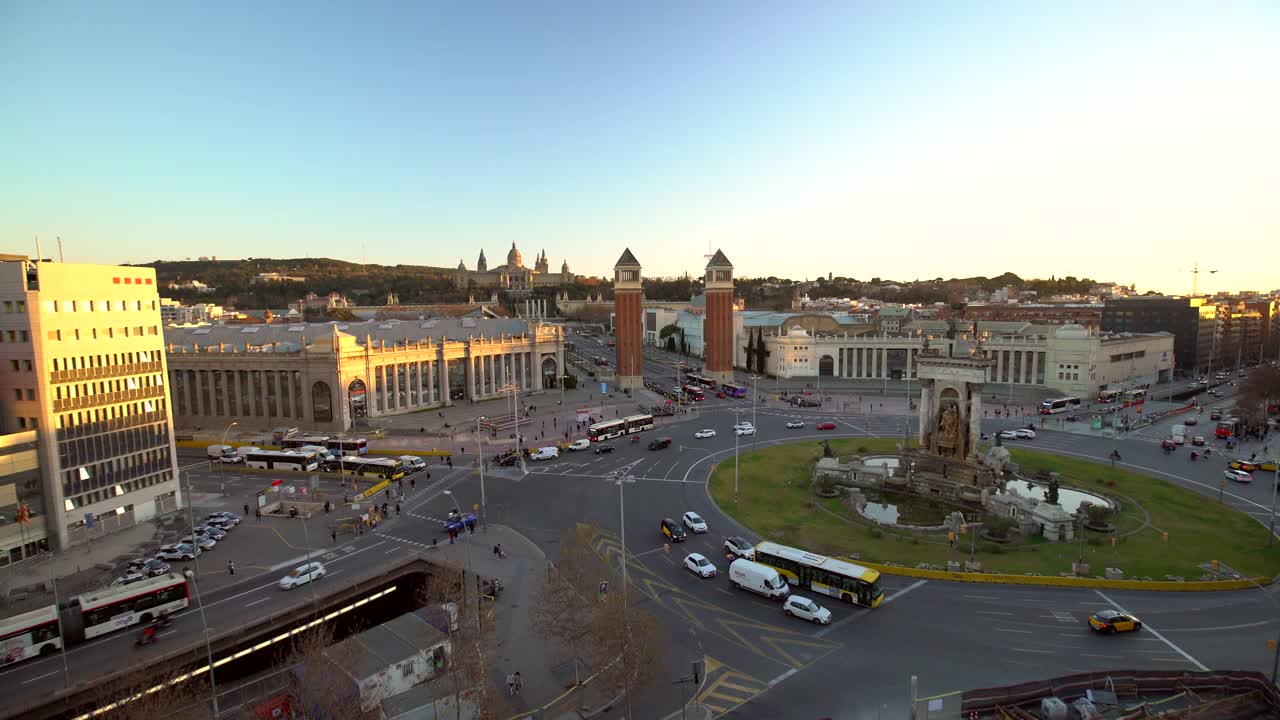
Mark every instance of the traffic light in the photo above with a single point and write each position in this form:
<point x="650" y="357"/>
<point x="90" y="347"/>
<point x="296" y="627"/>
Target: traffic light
<point x="697" y="671"/>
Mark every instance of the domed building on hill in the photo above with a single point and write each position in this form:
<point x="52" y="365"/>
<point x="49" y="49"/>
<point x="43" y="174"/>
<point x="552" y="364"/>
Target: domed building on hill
<point x="513" y="276"/>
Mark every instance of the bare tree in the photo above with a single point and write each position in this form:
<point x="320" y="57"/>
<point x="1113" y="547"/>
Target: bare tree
<point x="319" y="685"/>
<point x="626" y="639"/>
<point x="157" y="698"/>
<point x="566" y="596"/>
<point x="472" y="640"/>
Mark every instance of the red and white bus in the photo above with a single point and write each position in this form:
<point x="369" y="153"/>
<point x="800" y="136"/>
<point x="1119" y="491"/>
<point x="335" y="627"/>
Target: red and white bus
<point x="1057" y="405"/>
<point x="700" y="380"/>
<point x="30" y="634"/>
<point x="1227" y="428"/>
<point x="116" y="608"/>
<point x="607" y="430"/>
<point x="694" y="393"/>
<point x="1134" y="397"/>
<point x="1108" y="396"/>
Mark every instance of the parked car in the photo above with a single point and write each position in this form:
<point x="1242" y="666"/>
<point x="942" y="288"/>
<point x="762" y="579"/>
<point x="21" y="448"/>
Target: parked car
<point x="705" y="433"/>
<point x="301" y="575"/>
<point x="225" y="518"/>
<point x="1238" y="475"/>
<point x="149" y="567"/>
<point x="698" y="564"/>
<point x="739" y="547"/>
<point x="212" y="531"/>
<point x="178" y="551"/>
<point x="826" y="426"/>
<point x="660" y="443"/>
<point x="604" y="449"/>
<point x="794" y="424"/>
<point x="806" y="609"/>
<point x="694" y="522"/>
<point x="204" y="542"/>
<point x="671" y="530"/>
<point x="577" y="445"/>
<point x="1008" y="434"/>
<point x="1114" y="621"/>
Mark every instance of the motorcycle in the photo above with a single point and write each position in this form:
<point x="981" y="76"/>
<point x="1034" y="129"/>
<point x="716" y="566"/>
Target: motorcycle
<point x="1194" y="455"/>
<point x="635" y="439"/>
<point x="147" y="636"/>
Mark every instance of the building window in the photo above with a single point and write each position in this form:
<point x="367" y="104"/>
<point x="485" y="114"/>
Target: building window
<point x="31" y="423"/>
<point x="55" y="334"/>
<point x="26" y="365"/>
<point x="13" y="365"/>
<point x="22" y="423"/>
<point x="17" y="393"/>
<point x="31" y="394"/>
<point x="26" y="336"/>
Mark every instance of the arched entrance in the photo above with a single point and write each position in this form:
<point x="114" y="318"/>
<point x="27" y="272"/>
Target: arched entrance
<point x="356" y="392"/>
<point x="826" y="366"/>
<point x="550" y="371"/>
<point x="321" y="402"/>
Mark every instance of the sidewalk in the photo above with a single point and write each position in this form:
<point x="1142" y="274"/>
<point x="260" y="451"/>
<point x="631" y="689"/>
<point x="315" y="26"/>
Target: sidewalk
<point x="86" y="566"/>
<point x="547" y="676"/>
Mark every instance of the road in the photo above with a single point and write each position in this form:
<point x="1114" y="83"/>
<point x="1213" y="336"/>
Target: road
<point x="761" y="664"/>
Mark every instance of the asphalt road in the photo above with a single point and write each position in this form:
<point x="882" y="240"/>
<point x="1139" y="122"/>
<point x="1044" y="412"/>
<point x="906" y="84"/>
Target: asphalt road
<point x="760" y="663"/>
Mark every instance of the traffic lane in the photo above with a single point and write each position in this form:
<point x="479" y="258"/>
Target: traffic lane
<point x="231" y="607"/>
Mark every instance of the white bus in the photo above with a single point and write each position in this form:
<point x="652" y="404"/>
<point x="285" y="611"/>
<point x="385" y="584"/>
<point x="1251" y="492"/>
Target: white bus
<point x="283" y="460"/>
<point x="829" y="576"/>
<point x="140" y="602"/>
<point x="349" y="446"/>
<point x="607" y="430"/>
<point x="1057" y="405"/>
<point x="638" y="423"/>
<point x="297" y="441"/>
<point x="382" y="467"/>
<point x="1108" y="396"/>
<point x="30" y="634"/>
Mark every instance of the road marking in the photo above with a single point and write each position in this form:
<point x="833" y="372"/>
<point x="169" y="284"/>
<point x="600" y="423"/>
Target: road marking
<point x="981" y="597"/>
<point x="772" y="682"/>
<point x="34" y="679"/>
<point x="993" y="612"/>
<point x="1220" y="627"/>
<point x="1153" y="631"/>
<point x="1011" y="630"/>
<point x="165" y="634"/>
<point x="257" y="602"/>
<point x="830" y="628"/>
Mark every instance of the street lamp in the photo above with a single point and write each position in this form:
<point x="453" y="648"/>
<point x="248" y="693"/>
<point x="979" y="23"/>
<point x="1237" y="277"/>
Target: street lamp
<point x="480" y="444"/>
<point x="222" y="478"/>
<point x="195" y="557"/>
<point x="738" y="417"/>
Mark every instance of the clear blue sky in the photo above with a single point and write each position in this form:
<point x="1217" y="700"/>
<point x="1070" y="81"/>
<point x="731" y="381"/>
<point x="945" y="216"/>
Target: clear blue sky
<point x="890" y="139"/>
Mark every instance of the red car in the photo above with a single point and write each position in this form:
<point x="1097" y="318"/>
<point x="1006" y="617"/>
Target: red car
<point x="720" y="395"/>
<point x="827" y="426"/>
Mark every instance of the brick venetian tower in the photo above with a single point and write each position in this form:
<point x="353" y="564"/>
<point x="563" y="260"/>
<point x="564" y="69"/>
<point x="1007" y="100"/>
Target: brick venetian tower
<point x="717" y="327"/>
<point x="627" y="293"/>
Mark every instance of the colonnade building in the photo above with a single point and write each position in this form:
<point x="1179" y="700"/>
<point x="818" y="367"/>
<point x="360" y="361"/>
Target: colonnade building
<point x="326" y="376"/>
<point x="1065" y="359"/>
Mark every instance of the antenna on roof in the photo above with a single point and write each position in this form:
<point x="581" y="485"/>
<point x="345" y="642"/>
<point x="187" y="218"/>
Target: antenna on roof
<point x="39" y="252"/>
<point x="61" y="258"/>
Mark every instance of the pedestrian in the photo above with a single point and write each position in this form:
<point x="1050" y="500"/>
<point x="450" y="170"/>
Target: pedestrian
<point x="452" y="534"/>
<point x="497" y="551"/>
<point x="511" y="684"/>
<point x="258" y="514"/>
<point x="397" y="509"/>
<point x="471" y="528"/>
<point x="413" y="482"/>
<point x="334" y="533"/>
<point x="246" y="509"/>
<point x="231" y="567"/>
<point x="518" y="681"/>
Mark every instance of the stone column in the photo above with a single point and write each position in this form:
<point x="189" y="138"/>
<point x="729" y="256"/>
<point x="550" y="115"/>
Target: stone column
<point x="911" y="352"/>
<point x="1035" y="367"/>
<point x="975" y="420"/>
<point x="926" y="409"/>
<point x="442" y="368"/>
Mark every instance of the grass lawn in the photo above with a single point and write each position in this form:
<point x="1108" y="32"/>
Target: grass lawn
<point x="774" y="500"/>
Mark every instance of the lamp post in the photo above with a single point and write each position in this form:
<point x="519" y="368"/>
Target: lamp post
<point x="484" y="514"/>
<point x="462" y="519"/>
<point x="1271" y="528"/>
<point x="222" y="466"/>
<point x="621" y="478"/>
<point x="738" y="416"/>
<point x="195" y="581"/>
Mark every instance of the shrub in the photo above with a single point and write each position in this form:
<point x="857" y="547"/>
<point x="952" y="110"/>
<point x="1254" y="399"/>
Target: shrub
<point x="877" y="533"/>
<point x="1098" y="515"/>
<point x="997" y="525"/>
<point x="1094" y="541"/>
<point x="1111" y="483"/>
<point x="863" y="449"/>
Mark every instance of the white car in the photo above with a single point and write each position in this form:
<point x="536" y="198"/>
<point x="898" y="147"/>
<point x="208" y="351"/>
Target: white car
<point x="577" y="445"/>
<point x="794" y="424"/>
<point x="705" y="433"/>
<point x="1026" y="433"/>
<point x="806" y="609"/>
<point x="698" y="564"/>
<point x="179" y="551"/>
<point x="742" y="425"/>
<point x="694" y="522"/>
<point x="302" y="575"/>
<point x="225" y="518"/>
<point x="1238" y="475"/>
<point x="745" y="431"/>
<point x="1009" y="435"/>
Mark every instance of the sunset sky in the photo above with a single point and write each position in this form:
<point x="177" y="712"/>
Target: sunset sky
<point x="1120" y="141"/>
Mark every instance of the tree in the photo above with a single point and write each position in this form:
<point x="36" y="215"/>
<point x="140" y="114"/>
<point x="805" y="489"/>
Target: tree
<point x="178" y="697"/>
<point x="470" y="642"/>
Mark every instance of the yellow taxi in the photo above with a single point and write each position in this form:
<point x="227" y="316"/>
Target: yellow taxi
<point x="1114" y="621"/>
<point x="1248" y="466"/>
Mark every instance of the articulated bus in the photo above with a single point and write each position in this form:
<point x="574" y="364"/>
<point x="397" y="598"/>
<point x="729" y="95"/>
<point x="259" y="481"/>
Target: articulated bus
<point x="1227" y="428"/>
<point x="638" y="423"/>
<point x="90" y="615"/>
<point x="836" y="578"/>
<point x="694" y="393"/>
<point x="385" y="468"/>
<point x="607" y="430"/>
<point x="297" y="460"/>
<point x="298" y="441"/>
<point x="1108" y="396"/>
<point x="700" y="380"/>
<point x="1134" y="397"/>
<point x="1057" y="405"/>
<point x="733" y="390"/>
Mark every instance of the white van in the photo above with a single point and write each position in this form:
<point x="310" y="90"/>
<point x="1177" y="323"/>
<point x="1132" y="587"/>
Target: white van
<point x="412" y="463"/>
<point x="224" y="453"/>
<point x="762" y="579"/>
<point x="545" y="453"/>
<point x="1179" y="434"/>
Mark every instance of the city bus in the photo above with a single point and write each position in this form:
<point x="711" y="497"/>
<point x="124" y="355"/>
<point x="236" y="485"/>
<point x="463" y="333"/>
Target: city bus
<point x="733" y="390"/>
<point x="139" y="602"/>
<point x="349" y="446"/>
<point x="607" y="430"/>
<point x="30" y="634"/>
<point x="283" y="460"/>
<point x="1227" y="428"/>
<point x="1108" y="396"/>
<point x="385" y="468"/>
<point x="638" y="423"/>
<point x="694" y="393"/>
<point x="836" y="578"/>
<point x="298" y="441"/>
<point x="700" y="380"/>
<point x="1057" y="405"/>
<point x="1134" y="397"/>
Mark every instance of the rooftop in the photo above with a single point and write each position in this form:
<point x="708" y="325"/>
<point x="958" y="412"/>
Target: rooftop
<point x="382" y="646"/>
<point x="291" y="337"/>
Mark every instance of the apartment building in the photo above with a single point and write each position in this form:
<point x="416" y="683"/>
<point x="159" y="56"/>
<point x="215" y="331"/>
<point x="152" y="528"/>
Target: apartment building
<point x="85" y="368"/>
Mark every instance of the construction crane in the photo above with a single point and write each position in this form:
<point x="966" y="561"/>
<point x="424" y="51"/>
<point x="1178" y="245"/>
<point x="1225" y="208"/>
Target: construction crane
<point x="1195" y="277"/>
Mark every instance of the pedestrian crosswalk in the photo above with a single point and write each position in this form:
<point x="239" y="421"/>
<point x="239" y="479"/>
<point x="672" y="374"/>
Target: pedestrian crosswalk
<point x="725" y="688"/>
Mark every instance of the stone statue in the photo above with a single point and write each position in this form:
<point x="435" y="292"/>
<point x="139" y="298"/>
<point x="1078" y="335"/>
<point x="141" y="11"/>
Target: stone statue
<point x="997" y="458"/>
<point x="949" y="427"/>
<point x="1051" y="495"/>
<point x="826" y="449"/>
